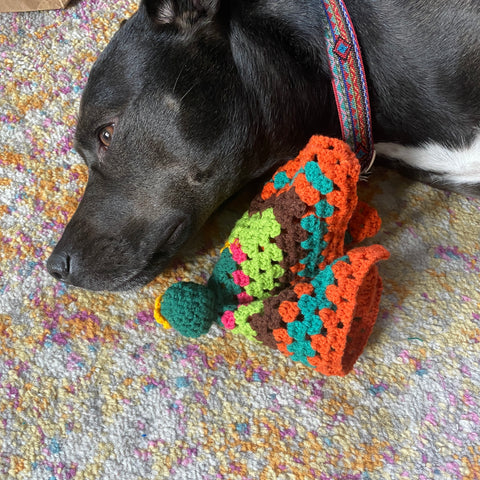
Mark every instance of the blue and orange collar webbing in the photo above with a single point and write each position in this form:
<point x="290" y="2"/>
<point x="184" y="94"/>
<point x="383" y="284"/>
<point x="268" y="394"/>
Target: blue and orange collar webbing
<point x="349" y="82"/>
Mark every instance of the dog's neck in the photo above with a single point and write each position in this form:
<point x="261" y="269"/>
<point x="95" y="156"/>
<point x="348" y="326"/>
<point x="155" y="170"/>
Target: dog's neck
<point x="285" y="69"/>
<point x="286" y="75"/>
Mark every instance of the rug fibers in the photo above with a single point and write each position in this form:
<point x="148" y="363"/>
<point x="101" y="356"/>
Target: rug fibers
<point x="92" y="388"/>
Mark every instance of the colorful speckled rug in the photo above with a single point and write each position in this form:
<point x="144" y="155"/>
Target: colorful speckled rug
<point x="92" y="388"/>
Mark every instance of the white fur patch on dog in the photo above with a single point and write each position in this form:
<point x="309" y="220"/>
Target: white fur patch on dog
<point x="455" y="165"/>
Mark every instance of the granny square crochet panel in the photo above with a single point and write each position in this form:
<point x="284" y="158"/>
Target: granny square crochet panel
<point x="288" y="277"/>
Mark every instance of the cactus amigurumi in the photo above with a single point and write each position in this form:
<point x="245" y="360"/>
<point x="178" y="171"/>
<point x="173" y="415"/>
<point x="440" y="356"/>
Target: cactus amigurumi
<point x="288" y="276"/>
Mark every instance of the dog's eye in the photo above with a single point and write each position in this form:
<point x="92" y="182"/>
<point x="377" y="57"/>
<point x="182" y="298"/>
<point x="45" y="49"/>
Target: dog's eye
<point x="105" y="135"/>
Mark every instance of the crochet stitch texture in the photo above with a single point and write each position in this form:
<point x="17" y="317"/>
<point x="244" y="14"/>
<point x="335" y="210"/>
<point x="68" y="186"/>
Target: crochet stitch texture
<point x="286" y="277"/>
<point x="92" y="389"/>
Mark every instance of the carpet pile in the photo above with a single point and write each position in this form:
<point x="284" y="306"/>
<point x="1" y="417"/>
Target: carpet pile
<point x="92" y="388"/>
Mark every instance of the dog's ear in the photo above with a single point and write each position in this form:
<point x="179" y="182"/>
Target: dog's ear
<point x="181" y="13"/>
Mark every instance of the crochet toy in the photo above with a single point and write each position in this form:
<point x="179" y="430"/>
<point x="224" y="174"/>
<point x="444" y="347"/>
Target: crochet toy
<point x="286" y="277"/>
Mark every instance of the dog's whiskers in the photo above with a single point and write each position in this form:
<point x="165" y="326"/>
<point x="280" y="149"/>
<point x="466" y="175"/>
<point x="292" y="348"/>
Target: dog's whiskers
<point x="178" y="77"/>
<point x="188" y="91"/>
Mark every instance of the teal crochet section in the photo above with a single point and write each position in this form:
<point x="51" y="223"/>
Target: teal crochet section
<point x="314" y="175"/>
<point x="280" y="180"/>
<point x="314" y="244"/>
<point x="319" y="181"/>
<point x="222" y="285"/>
<point x="316" y="225"/>
<point x="310" y="306"/>
<point x="323" y="209"/>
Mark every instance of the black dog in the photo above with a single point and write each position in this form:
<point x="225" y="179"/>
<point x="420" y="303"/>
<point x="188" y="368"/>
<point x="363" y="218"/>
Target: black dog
<point x="193" y="98"/>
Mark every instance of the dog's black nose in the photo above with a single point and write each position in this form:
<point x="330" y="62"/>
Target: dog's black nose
<point x="59" y="266"/>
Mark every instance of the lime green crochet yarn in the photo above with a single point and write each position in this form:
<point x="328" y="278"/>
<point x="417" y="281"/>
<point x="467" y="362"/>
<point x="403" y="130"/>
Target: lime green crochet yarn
<point x="190" y="308"/>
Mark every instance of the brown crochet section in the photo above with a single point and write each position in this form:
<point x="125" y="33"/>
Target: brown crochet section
<point x="289" y="210"/>
<point x="271" y="319"/>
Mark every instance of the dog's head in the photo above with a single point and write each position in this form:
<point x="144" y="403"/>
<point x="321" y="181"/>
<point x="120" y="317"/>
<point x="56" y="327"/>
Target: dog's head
<point x="169" y="128"/>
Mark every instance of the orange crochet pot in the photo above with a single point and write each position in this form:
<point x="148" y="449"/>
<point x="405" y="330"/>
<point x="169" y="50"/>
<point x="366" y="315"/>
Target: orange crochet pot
<point x="291" y="275"/>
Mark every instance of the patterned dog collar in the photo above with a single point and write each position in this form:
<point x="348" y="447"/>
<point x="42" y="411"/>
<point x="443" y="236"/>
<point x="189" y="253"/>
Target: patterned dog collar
<point x="349" y="82"/>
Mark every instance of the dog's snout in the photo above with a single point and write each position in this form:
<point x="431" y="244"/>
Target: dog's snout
<point x="59" y="266"/>
<point x="99" y="255"/>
